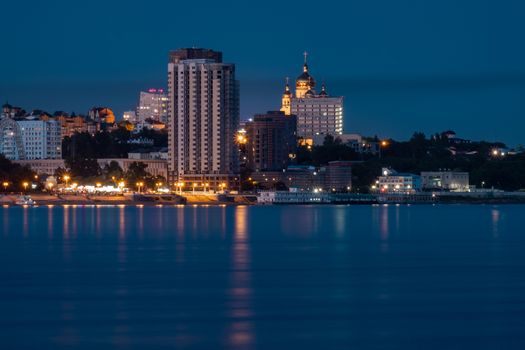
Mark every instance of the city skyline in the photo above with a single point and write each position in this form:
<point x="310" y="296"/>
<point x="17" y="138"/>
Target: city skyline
<point x="396" y="80"/>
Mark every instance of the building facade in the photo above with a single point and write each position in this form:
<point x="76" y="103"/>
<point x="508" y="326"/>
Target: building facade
<point x="30" y="138"/>
<point x="153" y="104"/>
<point x="445" y="180"/>
<point x="271" y="141"/>
<point x="317" y="113"/>
<point x="393" y="182"/>
<point x="203" y="116"/>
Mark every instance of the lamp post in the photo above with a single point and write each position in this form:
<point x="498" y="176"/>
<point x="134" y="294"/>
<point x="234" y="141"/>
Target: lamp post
<point x="5" y="184"/>
<point x="194" y="185"/>
<point x="66" y="178"/>
<point x="25" y="184"/>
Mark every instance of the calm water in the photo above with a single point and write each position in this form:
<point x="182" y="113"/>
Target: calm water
<point x="275" y="277"/>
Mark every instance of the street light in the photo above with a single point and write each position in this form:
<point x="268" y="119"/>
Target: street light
<point x="66" y="178"/>
<point x="194" y="185"/>
<point x="139" y="185"/>
<point x="5" y="184"/>
<point x="25" y="184"/>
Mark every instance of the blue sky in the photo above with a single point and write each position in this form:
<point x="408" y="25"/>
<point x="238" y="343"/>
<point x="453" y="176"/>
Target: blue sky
<point x="403" y="66"/>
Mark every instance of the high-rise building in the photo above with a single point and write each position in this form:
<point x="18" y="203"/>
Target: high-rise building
<point x="153" y="104"/>
<point x="203" y="116"/>
<point x="317" y="114"/>
<point x="30" y="138"/>
<point x="271" y="141"/>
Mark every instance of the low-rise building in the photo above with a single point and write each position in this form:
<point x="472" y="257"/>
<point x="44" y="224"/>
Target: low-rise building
<point x="445" y="180"/>
<point x="393" y="182"/>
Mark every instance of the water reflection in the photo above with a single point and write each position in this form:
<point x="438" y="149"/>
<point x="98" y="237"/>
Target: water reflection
<point x="495" y="214"/>
<point x="240" y="330"/>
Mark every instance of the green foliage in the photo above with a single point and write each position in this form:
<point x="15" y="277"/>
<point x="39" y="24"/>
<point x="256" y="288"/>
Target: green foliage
<point x="14" y="175"/>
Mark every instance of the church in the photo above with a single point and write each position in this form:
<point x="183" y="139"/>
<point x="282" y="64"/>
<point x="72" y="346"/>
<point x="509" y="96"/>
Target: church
<point x="317" y="113"/>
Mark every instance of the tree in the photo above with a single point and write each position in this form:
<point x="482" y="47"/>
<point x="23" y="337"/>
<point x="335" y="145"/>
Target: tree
<point x="113" y="170"/>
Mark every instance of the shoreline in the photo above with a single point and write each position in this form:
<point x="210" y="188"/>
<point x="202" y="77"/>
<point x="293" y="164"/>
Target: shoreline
<point x="50" y="200"/>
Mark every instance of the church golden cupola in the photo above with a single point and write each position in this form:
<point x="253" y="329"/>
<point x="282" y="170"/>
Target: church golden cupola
<point x="305" y="83"/>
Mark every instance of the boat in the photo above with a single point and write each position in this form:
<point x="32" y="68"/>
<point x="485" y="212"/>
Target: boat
<point x="25" y="200"/>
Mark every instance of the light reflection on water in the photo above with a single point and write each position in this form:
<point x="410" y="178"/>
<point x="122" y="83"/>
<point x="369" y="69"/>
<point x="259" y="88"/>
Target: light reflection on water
<point x="246" y="277"/>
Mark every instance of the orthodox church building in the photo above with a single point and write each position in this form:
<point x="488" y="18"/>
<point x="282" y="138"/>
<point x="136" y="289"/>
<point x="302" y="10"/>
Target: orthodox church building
<point x="317" y="113"/>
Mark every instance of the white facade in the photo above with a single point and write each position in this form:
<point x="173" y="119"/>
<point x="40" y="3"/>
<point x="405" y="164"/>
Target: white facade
<point x="30" y="139"/>
<point x="203" y="117"/>
<point x="393" y="182"/>
<point x="318" y="115"/>
<point x="445" y="180"/>
<point x="153" y="104"/>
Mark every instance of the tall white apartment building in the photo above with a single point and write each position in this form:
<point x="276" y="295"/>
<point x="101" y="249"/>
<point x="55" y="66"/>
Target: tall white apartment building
<point x="153" y="104"/>
<point x="30" y="139"/>
<point x="203" y="118"/>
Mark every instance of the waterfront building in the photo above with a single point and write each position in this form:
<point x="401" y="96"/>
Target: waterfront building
<point x="30" y="138"/>
<point x="203" y="116"/>
<point x="393" y="182"/>
<point x="317" y="113"/>
<point x="153" y="104"/>
<point x="271" y="141"/>
<point x="335" y="176"/>
<point x="445" y="180"/>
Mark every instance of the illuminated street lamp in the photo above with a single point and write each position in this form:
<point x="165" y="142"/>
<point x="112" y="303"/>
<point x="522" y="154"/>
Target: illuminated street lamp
<point x="194" y="185"/>
<point x="25" y="184"/>
<point x="5" y="184"/>
<point x="66" y="178"/>
<point x="139" y="185"/>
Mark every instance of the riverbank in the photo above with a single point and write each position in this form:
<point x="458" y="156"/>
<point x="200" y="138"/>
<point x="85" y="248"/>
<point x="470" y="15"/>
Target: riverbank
<point x="129" y="199"/>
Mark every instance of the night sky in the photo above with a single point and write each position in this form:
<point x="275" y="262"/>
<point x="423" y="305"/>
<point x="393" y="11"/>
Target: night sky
<point x="403" y="66"/>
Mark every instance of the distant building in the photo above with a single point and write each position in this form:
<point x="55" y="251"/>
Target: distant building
<point x="30" y="138"/>
<point x="271" y="141"/>
<point x="445" y="180"/>
<point x="203" y="118"/>
<point x="317" y="113"/>
<point x="392" y="182"/>
<point x="153" y="104"/>
<point x="70" y="125"/>
<point x="145" y="154"/>
<point x="130" y="116"/>
<point x="337" y="176"/>
<point x="155" y="167"/>
<point x="334" y="177"/>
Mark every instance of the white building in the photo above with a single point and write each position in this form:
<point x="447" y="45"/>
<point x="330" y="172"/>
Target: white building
<point x="130" y="116"/>
<point x="30" y="139"/>
<point x="393" y="182"/>
<point x="153" y="104"/>
<point x="203" y="117"/>
<point x="445" y="180"/>
<point x="317" y="113"/>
